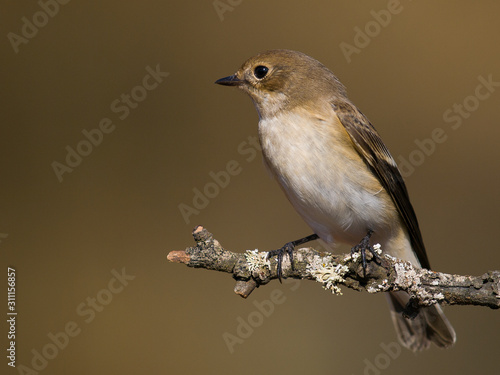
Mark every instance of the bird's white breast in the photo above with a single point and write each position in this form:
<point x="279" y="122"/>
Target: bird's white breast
<point x="323" y="176"/>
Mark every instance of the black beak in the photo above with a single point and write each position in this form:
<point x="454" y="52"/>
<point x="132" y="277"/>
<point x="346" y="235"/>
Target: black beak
<point x="230" y="81"/>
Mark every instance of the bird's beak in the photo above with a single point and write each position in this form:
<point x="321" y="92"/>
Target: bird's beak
<point x="230" y="81"/>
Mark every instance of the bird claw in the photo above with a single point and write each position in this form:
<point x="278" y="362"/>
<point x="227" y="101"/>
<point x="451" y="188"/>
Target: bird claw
<point x="364" y="245"/>
<point x="286" y="249"/>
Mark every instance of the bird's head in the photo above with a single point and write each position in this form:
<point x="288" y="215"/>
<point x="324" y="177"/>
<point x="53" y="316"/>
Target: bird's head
<point x="281" y="79"/>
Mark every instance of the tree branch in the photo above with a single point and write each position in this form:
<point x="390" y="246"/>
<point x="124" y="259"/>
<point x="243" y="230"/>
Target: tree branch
<point x="252" y="269"/>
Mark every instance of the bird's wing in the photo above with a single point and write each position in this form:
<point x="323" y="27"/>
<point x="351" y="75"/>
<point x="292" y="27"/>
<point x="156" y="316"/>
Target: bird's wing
<point x="371" y="148"/>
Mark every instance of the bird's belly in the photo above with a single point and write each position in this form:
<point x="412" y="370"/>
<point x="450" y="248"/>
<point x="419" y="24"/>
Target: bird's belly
<point x="338" y="209"/>
<point x="327" y="182"/>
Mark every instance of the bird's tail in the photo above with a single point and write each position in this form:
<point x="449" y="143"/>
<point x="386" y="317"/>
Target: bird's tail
<point x="430" y="325"/>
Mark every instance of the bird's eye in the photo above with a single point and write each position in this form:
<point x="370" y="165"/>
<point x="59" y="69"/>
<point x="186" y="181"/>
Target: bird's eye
<point x="260" y="71"/>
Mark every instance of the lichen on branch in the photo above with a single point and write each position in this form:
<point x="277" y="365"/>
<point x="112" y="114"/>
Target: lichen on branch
<point x="253" y="268"/>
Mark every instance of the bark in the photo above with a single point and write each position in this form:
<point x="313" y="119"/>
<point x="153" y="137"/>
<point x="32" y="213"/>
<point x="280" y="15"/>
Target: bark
<point x="252" y="269"/>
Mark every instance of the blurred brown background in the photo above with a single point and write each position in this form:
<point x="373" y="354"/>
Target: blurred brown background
<point x="119" y="208"/>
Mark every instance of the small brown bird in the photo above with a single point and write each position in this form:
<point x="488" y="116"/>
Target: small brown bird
<point x="337" y="173"/>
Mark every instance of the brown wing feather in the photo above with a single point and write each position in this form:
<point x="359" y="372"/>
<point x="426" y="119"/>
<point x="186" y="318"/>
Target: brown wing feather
<point x="370" y="146"/>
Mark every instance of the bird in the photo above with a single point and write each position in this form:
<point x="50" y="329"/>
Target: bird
<point x="337" y="173"/>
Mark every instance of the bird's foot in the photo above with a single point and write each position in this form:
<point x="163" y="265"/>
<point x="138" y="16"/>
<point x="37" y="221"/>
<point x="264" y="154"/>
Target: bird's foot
<point x="364" y="245"/>
<point x="288" y="249"/>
